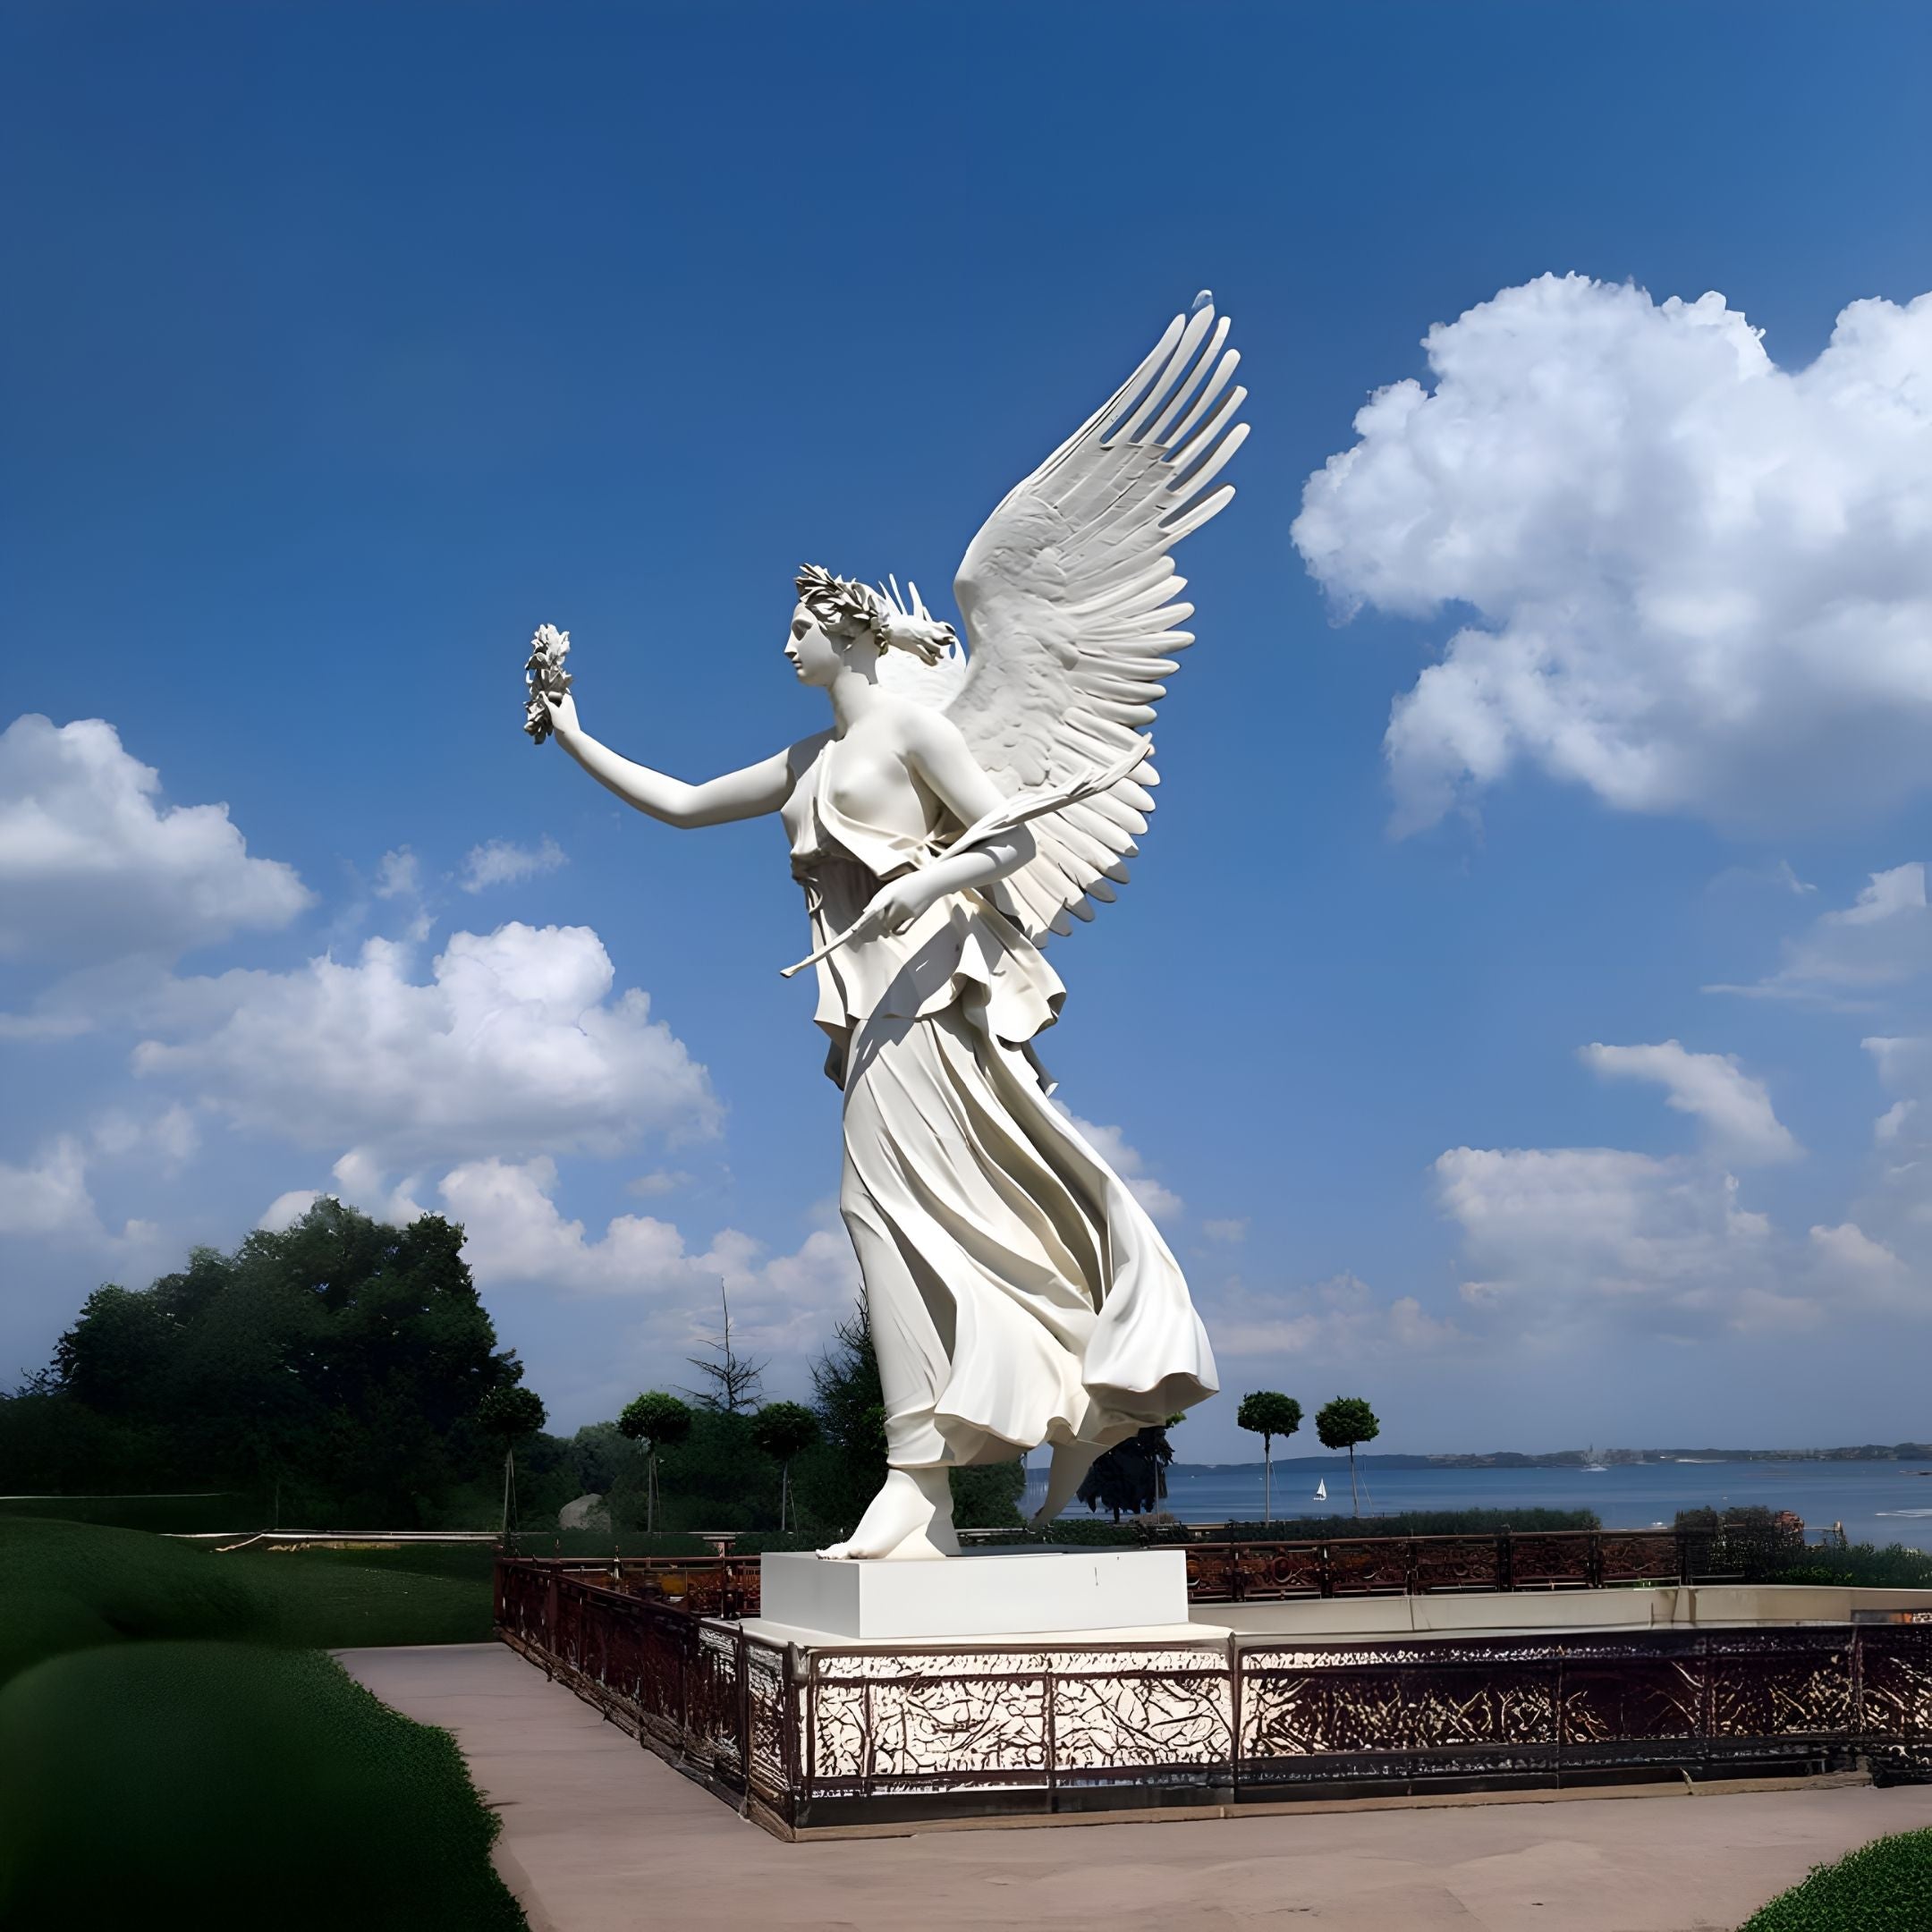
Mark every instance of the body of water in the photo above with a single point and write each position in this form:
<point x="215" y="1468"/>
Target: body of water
<point x="1877" y="1502"/>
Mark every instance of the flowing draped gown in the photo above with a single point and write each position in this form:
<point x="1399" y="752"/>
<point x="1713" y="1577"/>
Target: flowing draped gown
<point x="1017" y="1291"/>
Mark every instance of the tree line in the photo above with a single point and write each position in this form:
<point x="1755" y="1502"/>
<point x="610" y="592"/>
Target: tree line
<point x="343" y="1373"/>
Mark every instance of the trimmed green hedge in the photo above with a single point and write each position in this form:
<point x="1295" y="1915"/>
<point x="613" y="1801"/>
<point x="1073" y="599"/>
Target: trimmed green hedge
<point x="1894" y="1567"/>
<point x="1096" y="1529"/>
<point x="1416" y="1523"/>
<point x="223" y="1786"/>
<point x="1884" y="1886"/>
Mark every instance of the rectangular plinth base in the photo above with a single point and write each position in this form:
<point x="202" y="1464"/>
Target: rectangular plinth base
<point x="989" y="1594"/>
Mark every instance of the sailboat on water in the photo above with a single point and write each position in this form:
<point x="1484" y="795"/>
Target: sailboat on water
<point x="1321" y="1490"/>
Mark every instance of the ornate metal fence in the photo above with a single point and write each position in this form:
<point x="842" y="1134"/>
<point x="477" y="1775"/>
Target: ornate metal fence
<point x="1550" y="1559"/>
<point x="847" y="1736"/>
<point x="1265" y="1572"/>
<point x="714" y="1701"/>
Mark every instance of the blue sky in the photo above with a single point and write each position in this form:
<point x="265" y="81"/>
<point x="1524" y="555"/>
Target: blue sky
<point x="346" y="343"/>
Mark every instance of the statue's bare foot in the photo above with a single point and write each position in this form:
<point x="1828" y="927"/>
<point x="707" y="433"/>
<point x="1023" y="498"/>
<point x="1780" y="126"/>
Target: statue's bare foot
<point x="1065" y="1474"/>
<point x="911" y="1517"/>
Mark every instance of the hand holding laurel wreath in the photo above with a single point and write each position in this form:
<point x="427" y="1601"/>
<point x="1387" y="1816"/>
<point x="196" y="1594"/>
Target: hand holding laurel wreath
<point x="548" y="684"/>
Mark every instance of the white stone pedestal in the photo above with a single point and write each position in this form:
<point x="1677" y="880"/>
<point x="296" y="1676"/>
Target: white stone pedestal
<point x="997" y="1593"/>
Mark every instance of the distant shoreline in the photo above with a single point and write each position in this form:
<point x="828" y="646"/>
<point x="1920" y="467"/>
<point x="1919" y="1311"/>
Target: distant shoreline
<point x="1573" y="1459"/>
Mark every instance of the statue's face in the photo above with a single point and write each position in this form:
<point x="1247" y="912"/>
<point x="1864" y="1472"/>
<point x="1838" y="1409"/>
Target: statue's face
<point x="814" y="656"/>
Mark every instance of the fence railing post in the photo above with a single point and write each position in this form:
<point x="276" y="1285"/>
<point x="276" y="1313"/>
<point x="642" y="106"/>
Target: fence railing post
<point x="1234" y="1716"/>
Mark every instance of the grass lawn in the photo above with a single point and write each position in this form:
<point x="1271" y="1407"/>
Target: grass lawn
<point x="337" y="1599"/>
<point x="70" y="1586"/>
<point x="175" y="1751"/>
<point x="1884" y="1886"/>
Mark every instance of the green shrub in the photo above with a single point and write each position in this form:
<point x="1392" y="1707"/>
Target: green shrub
<point x="226" y="1786"/>
<point x="1861" y="1566"/>
<point x="1070" y="1529"/>
<point x="1417" y="1524"/>
<point x="1884" y="1886"/>
<point x="986" y="1495"/>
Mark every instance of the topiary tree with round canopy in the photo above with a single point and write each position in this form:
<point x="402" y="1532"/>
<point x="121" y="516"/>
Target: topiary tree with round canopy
<point x="510" y="1414"/>
<point x="783" y="1429"/>
<point x="659" y="1421"/>
<point x="1268" y="1413"/>
<point x="1343" y="1423"/>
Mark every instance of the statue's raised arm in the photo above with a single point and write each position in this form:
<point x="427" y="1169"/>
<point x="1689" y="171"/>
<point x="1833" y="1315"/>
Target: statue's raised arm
<point x="551" y="711"/>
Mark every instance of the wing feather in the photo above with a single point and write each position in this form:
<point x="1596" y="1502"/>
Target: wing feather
<point x="1072" y="612"/>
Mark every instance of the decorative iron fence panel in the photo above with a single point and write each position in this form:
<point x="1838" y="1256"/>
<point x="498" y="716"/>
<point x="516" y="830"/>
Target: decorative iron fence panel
<point x="1549" y="1559"/>
<point x="1894" y="1677"/>
<point x="1320" y="1714"/>
<point x="905" y="1721"/>
<point x="849" y="1735"/>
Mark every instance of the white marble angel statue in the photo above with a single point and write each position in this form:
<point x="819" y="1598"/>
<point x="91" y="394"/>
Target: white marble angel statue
<point x="958" y="811"/>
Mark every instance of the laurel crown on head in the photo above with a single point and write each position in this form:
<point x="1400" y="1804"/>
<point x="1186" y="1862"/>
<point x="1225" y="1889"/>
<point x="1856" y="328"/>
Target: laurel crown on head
<point x="842" y="608"/>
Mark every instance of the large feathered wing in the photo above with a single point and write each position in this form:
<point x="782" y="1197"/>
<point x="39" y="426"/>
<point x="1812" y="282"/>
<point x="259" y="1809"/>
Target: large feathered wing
<point x="1068" y="593"/>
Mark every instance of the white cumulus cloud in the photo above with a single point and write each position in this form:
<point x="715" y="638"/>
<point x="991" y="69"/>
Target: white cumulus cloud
<point x="1661" y="1244"/>
<point x="1881" y="939"/>
<point x="1113" y="1146"/>
<point x="49" y="1199"/>
<point x="500" y="863"/>
<point x="92" y="868"/>
<point x="398" y="875"/>
<point x="48" y="1196"/>
<point x="1733" y="1109"/>
<point x="1687" y="578"/>
<point x="1341" y="1321"/>
<point x="515" y="1234"/>
<point x="515" y="1043"/>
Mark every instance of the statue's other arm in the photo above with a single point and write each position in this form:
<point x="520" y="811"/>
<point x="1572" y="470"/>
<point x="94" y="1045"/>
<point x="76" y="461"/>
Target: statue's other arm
<point x="749" y="793"/>
<point x="940" y="756"/>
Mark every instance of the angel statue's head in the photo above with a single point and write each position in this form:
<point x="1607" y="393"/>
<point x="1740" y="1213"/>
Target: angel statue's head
<point x="841" y="623"/>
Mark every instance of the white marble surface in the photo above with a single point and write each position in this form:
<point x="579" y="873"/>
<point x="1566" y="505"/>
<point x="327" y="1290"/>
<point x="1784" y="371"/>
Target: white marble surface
<point x="945" y="826"/>
<point x="1002" y="1594"/>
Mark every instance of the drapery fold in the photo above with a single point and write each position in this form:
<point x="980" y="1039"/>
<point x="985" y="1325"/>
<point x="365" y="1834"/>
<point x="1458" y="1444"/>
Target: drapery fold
<point x="1017" y="1291"/>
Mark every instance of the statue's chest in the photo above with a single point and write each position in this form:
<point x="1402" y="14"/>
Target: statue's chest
<point x="872" y="789"/>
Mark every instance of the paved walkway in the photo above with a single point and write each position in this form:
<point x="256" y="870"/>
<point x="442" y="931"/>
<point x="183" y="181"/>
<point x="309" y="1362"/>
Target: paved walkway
<point x="600" y="1835"/>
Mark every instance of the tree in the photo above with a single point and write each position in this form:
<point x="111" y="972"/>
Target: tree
<point x="783" y="1429"/>
<point x="1131" y="1476"/>
<point x="1343" y="1423"/>
<point x="659" y="1421"/>
<point x="844" y="1472"/>
<point x="1267" y="1414"/>
<point x="509" y="1414"/>
<point x="341" y="1357"/>
<point x="986" y="1495"/>
<point x="734" y="1382"/>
